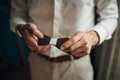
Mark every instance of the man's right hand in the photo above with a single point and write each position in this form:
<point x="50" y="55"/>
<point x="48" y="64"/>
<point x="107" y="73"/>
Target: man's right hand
<point x="31" y="35"/>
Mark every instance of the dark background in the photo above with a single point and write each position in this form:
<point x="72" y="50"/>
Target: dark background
<point x="13" y="64"/>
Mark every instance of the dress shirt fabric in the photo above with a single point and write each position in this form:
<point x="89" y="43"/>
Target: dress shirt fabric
<point x="62" y="18"/>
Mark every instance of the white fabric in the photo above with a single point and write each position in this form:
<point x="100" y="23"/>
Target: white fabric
<point x="62" y="18"/>
<point x="42" y="69"/>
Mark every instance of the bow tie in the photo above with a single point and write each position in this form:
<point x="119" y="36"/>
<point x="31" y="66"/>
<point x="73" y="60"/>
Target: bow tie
<point x="53" y="41"/>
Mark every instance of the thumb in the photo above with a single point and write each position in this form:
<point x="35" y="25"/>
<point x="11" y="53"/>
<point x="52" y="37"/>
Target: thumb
<point x="32" y="28"/>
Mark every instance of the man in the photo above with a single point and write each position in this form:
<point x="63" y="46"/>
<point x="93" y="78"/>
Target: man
<point x="73" y="19"/>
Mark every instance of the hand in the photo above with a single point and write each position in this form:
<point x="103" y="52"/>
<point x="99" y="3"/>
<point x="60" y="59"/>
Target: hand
<point x="31" y="34"/>
<point x="81" y="43"/>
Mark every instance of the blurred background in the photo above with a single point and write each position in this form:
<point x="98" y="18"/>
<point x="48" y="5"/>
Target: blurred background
<point x="14" y="53"/>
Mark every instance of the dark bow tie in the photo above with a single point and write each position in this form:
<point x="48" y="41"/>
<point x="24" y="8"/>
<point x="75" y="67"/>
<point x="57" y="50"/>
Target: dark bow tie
<point x="53" y="41"/>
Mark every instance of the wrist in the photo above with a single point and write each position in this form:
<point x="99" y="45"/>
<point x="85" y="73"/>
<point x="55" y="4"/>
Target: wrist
<point x="95" y="39"/>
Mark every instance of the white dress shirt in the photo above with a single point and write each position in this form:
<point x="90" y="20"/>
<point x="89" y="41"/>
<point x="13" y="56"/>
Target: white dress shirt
<point x="62" y="18"/>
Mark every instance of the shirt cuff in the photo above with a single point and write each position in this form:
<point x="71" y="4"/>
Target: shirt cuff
<point x="16" y="27"/>
<point x="16" y="22"/>
<point x="20" y="22"/>
<point x="102" y="32"/>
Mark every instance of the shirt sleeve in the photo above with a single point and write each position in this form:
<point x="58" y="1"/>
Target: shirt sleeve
<point x="107" y="11"/>
<point x="18" y="13"/>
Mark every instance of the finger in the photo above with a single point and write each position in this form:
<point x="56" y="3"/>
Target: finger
<point x="32" y="28"/>
<point x="45" y="48"/>
<point x="80" y="54"/>
<point x="27" y="35"/>
<point x="30" y="37"/>
<point x="37" y="49"/>
<point x="37" y="33"/>
<point x="72" y="40"/>
<point x="30" y="40"/>
<point x="77" y="45"/>
<point x="81" y="51"/>
<point x="78" y="50"/>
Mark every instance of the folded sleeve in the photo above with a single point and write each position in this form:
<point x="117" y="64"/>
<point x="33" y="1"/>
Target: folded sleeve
<point x="107" y="11"/>
<point x="18" y="13"/>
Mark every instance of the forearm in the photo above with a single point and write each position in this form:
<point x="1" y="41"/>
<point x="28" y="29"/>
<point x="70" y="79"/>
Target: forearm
<point x="107" y="12"/>
<point x="18" y="14"/>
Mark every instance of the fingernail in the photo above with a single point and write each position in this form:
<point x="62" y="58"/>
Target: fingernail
<point x="62" y="48"/>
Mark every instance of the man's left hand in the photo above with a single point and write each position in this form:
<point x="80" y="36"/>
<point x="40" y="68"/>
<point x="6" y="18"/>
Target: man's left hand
<point x="81" y="43"/>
